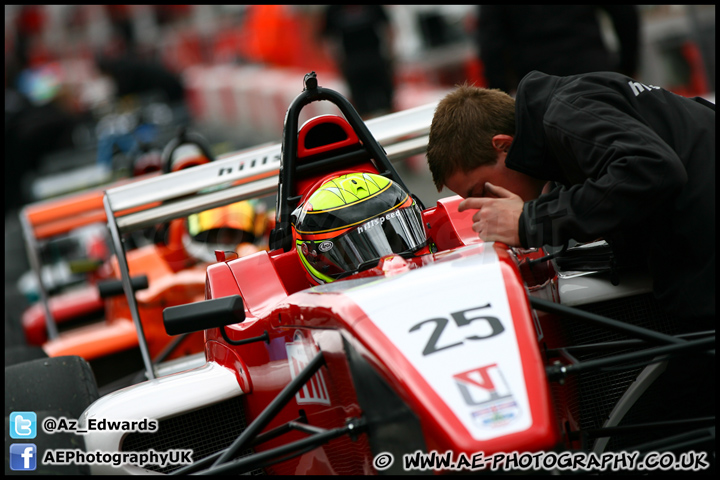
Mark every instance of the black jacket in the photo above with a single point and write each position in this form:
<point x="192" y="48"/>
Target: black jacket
<point x="635" y="165"/>
<point x="555" y="39"/>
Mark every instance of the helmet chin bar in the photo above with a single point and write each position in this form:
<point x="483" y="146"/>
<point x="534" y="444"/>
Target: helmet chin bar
<point x="386" y="259"/>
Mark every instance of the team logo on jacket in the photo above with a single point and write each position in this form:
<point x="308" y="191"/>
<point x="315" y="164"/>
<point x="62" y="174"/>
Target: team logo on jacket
<point x="299" y="354"/>
<point x="487" y="393"/>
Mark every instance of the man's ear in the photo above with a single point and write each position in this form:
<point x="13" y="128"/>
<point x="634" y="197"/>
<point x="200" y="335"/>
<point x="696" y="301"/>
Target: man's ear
<point x="502" y="142"/>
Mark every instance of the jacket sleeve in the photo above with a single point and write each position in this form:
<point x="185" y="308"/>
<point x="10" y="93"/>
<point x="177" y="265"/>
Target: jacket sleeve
<point x="619" y="173"/>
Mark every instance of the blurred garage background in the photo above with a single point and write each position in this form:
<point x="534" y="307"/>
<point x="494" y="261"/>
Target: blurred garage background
<point x="91" y="91"/>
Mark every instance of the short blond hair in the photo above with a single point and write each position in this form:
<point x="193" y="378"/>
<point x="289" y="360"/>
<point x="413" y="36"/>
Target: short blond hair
<point x="462" y="129"/>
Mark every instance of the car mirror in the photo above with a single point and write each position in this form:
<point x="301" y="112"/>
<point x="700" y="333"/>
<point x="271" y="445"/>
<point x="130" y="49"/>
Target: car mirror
<point x="110" y="288"/>
<point x="203" y="315"/>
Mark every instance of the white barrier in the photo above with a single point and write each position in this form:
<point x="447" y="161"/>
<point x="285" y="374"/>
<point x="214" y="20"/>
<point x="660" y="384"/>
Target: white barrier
<point x="248" y="102"/>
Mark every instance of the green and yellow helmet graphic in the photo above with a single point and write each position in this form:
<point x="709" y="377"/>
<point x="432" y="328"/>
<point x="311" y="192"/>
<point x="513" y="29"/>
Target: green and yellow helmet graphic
<point x="347" y="189"/>
<point x="346" y="201"/>
<point x="353" y="219"/>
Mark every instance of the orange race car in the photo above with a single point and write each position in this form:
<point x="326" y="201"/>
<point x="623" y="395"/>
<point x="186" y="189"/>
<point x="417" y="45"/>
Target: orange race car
<point x="93" y="320"/>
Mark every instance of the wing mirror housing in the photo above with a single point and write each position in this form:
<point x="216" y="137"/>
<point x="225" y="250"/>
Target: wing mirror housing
<point x="111" y="288"/>
<point x="194" y="317"/>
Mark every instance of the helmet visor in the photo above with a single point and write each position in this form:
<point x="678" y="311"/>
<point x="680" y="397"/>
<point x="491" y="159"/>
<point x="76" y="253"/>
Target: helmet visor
<point x="399" y="231"/>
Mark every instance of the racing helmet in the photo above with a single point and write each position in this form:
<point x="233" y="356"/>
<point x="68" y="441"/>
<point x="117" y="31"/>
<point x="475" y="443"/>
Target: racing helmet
<point x="351" y="221"/>
<point x="234" y="227"/>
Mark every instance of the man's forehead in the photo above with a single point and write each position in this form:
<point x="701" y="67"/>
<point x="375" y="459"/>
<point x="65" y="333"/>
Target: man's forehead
<point x="463" y="183"/>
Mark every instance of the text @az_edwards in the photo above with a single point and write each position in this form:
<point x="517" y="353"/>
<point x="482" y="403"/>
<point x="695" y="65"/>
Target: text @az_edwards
<point x="55" y="425"/>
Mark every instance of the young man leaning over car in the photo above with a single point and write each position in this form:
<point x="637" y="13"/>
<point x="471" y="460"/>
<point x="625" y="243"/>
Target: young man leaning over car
<point x="632" y="163"/>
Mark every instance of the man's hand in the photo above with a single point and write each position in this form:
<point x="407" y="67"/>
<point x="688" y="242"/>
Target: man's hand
<point x="496" y="219"/>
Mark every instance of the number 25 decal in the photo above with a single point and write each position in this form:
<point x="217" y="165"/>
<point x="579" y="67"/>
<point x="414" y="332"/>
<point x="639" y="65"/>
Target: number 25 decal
<point x="461" y="320"/>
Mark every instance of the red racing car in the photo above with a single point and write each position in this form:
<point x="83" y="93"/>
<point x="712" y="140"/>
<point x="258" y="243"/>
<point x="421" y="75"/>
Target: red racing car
<point x="380" y="336"/>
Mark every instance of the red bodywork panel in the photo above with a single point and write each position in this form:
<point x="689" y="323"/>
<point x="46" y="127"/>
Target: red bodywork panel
<point x="64" y="307"/>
